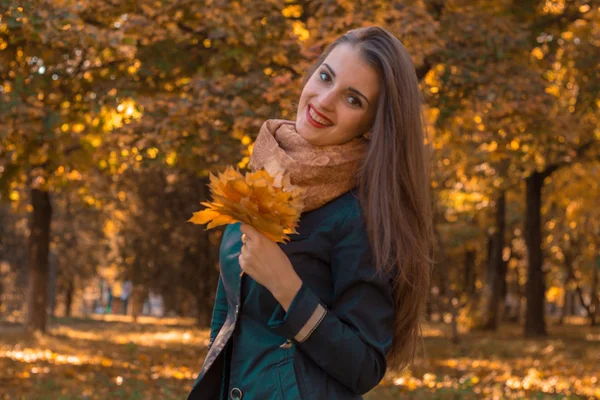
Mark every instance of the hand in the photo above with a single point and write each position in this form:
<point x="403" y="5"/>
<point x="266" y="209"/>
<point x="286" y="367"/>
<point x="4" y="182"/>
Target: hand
<point x="264" y="261"/>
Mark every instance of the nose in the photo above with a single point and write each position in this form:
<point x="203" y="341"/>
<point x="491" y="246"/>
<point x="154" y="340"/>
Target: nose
<point x="326" y="100"/>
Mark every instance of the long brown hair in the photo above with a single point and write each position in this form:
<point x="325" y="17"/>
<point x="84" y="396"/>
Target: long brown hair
<point x="394" y="184"/>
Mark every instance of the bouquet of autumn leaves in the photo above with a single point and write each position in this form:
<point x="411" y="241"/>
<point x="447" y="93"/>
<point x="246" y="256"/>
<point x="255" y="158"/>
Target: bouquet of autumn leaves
<point x="272" y="205"/>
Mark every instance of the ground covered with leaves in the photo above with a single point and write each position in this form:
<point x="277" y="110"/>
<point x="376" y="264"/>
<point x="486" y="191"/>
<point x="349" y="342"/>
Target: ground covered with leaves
<point x="113" y="358"/>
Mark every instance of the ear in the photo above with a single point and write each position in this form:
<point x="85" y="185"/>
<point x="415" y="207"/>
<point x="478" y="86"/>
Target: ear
<point x="367" y="135"/>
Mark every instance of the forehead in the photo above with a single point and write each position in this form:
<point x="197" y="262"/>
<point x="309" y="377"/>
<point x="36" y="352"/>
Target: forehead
<point x="351" y="70"/>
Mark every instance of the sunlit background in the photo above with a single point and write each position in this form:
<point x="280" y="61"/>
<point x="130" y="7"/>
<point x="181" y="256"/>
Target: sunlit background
<point x="113" y="113"/>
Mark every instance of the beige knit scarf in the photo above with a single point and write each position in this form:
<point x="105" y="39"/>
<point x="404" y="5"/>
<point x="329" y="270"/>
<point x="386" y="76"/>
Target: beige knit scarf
<point x="324" y="172"/>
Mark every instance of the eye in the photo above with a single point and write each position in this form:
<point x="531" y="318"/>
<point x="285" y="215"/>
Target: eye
<point x="354" y="101"/>
<point x="324" y="76"/>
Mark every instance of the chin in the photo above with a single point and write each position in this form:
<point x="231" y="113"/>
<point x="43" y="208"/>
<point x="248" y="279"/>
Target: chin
<point x="308" y="132"/>
<point x="306" y="136"/>
<point x="303" y="128"/>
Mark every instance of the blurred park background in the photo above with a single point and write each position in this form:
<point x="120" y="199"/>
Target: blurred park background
<point x="113" y="113"/>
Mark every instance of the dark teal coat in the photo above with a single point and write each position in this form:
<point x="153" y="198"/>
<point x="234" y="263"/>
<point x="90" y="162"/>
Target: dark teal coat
<point x="331" y="343"/>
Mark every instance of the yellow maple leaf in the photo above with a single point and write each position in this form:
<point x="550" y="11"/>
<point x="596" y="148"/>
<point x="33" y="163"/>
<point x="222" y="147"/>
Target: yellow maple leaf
<point x="272" y="205"/>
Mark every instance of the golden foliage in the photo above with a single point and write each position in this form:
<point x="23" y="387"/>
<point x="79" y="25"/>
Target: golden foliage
<point x="112" y="357"/>
<point x="253" y="199"/>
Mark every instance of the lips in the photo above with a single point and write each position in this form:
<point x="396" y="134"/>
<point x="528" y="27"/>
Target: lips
<point x="316" y="118"/>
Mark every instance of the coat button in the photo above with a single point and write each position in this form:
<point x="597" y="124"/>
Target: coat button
<point x="236" y="394"/>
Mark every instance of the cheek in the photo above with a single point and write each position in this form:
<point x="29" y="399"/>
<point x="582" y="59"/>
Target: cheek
<point x="352" y="124"/>
<point x="309" y="91"/>
<point x="353" y="120"/>
<point x="366" y="120"/>
<point x="302" y="100"/>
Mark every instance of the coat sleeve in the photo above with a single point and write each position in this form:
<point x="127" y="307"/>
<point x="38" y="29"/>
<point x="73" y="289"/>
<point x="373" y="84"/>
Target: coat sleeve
<point x="350" y="340"/>
<point x="219" y="311"/>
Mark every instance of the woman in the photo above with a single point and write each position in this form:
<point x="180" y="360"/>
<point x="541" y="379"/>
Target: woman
<point x="324" y="315"/>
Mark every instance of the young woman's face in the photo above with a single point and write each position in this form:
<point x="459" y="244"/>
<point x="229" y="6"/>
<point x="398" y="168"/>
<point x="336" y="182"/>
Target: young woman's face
<point x="339" y="101"/>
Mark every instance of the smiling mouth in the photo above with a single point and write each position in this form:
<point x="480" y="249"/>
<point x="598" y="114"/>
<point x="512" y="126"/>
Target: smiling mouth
<point x="316" y="119"/>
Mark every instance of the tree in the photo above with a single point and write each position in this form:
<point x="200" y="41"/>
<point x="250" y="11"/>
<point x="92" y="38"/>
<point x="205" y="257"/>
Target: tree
<point x="56" y="99"/>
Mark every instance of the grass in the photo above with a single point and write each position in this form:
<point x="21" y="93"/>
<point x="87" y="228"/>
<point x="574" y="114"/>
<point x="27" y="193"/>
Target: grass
<point x="113" y="358"/>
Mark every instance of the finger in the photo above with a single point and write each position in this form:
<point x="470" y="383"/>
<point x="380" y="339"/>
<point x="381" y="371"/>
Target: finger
<point x="244" y="263"/>
<point x="244" y="238"/>
<point x="250" y="231"/>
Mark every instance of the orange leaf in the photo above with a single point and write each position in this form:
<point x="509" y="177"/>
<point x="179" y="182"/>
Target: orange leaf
<point x="204" y="216"/>
<point x="220" y="220"/>
<point x="255" y="199"/>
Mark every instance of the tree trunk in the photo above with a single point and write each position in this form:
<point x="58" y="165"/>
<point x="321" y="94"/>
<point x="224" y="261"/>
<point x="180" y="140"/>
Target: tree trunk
<point x="1" y="256"/>
<point x="205" y="294"/>
<point x="69" y="297"/>
<point x="535" y="322"/>
<point x="589" y="307"/>
<point x="595" y="300"/>
<point x="39" y="240"/>
<point x="443" y="281"/>
<point x="445" y="303"/>
<point x="52" y="285"/>
<point x="568" y="297"/>
<point x="1" y="292"/>
<point x="496" y="273"/>
<point x="512" y="312"/>
<point x="206" y="257"/>
<point x="469" y="276"/>
<point x="455" y="338"/>
<point x="571" y="301"/>
<point x="428" y="309"/>
<point x="137" y="298"/>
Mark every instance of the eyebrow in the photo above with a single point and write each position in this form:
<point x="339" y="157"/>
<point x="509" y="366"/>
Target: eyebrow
<point x="350" y="88"/>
